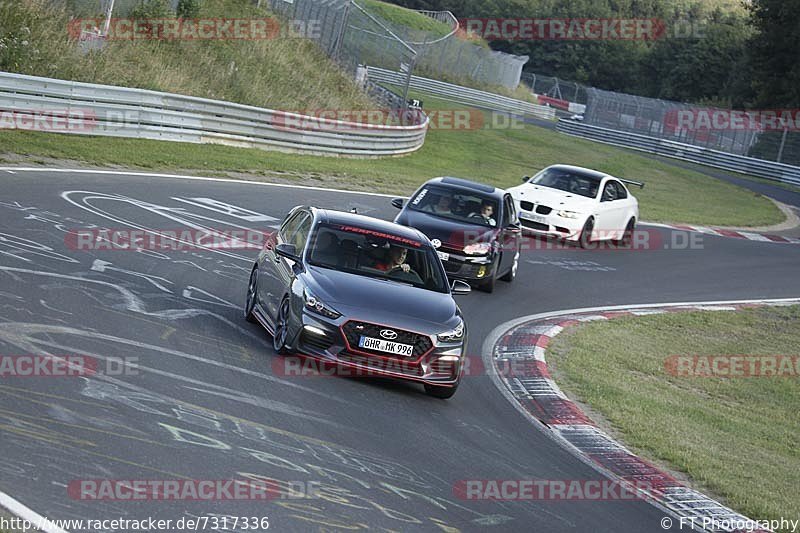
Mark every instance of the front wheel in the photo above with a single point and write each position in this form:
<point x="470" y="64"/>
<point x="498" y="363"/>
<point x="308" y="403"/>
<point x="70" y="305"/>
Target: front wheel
<point x="281" y="328"/>
<point x="585" y="240"/>
<point x="438" y="391"/>
<point x="511" y="274"/>
<point x="252" y="297"/>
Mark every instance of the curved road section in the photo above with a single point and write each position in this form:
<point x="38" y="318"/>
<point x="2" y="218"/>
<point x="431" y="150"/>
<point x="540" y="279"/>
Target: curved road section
<point x="181" y="389"/>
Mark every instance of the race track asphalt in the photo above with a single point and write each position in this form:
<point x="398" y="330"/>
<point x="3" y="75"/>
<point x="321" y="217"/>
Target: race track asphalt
<point x="209" y="399"/>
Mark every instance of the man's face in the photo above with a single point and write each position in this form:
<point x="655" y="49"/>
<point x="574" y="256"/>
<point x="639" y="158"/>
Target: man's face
<point x="487" y="211"/>
<point x="399" y="255"/>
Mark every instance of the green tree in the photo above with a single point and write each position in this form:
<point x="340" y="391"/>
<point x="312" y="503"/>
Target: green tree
<point x="775" y="52"/>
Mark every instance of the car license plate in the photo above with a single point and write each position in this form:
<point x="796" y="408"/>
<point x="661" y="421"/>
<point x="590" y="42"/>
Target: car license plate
<point x="444" y="256"/>
<point x="381" y="345"/>
<point x="533" y="218"/>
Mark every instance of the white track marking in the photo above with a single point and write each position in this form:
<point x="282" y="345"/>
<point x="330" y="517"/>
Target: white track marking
<point x="18" y="509"/>
<point x="184" y="177"/>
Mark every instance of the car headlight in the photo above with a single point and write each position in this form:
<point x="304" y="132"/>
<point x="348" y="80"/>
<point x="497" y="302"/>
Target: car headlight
<point x="316" y="305"/>
<point x="478" y="248"/>
<point x="454" y="335"/>
<point x="569" y="214"/>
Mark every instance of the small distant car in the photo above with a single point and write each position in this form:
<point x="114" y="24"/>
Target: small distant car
<point x="473" y="226"/>
<point x="577" y="204"/>
<point x="360" y="293"/>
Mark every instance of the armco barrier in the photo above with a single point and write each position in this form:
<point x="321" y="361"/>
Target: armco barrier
<point x="685" y="152"/>
<point x="138" y="113"/>
<point x="464" y="95"/>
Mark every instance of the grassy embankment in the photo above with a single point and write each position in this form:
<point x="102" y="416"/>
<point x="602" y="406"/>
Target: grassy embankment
<point x="734" y="437"/>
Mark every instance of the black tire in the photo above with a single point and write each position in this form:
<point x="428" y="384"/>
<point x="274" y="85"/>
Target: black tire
<point x="627" y="236"/>
<point x="281" y="328"/>
<point x="511" y="274"/>
<point x="585" y="239"/>
<point x="252" y="297"/>
<point x="437" y="391"/>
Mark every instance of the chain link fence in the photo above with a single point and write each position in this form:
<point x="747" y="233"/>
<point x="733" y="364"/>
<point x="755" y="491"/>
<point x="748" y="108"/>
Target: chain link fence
<point x="555" y="88"/>
<point x="689" y="124"/>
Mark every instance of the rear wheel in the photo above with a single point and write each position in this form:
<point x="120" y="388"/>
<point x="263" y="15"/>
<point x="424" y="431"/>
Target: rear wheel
<point x="252" y="297"/>
<point x="438" y="391"/>
<point x="585" y="240"/>
<point x="627" y="235"/>
<point x="281" y="328"/>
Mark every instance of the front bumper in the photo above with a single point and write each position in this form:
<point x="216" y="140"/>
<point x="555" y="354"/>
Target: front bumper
<point x="551" y="225"/>
<point x="469" y="268"/>
<point x="325" y="340"/>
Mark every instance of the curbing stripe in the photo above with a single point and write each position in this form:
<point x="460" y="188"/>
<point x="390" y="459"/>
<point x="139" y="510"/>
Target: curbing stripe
<point x="18" y="509"/>
<point x="732" y="234"/>
<point x="534" y="391"/>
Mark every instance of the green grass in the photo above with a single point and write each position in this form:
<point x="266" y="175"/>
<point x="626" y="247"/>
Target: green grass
<point x="497" y="156"/>
<point x="280" y="73"/>
<point x="400" y="16"/>
<point x="735" y="437"/>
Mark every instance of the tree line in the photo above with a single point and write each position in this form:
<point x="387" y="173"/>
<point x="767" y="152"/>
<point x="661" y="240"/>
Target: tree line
<point x="730" y="53"/>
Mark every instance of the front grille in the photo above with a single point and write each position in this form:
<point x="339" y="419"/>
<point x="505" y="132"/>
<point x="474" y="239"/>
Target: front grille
<point x="451" y="267"/>
<point x="527" y="206"/>
<point x="315" y="342"/>
<point x="543" y="209"/>
<point x="534" y="225"/>
<point x="354" y="329"/>
<point x="399" y="367"/>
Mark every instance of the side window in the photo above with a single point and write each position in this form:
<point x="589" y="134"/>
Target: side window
<point x="290" y="226"/>
<point x="509" y="211"/>
<point x="621" y="192"/>
<point x="609" y="192"/>
<point x="301" y="235"/>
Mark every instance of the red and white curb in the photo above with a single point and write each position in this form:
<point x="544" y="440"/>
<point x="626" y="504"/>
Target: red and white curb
<point x="516" y="352"/>
<point x="736" y="234"/>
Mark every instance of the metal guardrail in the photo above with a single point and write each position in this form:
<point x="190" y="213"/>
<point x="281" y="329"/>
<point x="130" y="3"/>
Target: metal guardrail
<point x="685" y="152"/>
<point x="464" y="95"/>
<point x="137" y="113"/>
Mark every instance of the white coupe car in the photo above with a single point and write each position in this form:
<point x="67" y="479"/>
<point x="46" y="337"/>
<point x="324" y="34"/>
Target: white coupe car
<point x="577" y="204"/>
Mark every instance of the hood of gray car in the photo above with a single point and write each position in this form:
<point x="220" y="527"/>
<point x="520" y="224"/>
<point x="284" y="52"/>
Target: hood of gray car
<point x="382" y="301"/>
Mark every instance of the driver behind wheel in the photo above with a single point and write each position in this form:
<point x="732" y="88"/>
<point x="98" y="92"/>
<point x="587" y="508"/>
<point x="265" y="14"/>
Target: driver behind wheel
<point x="396" y="259"/>
<point x="486" y="212"/>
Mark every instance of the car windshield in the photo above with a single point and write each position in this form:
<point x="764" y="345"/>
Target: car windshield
<point x="568" y="181"/>
<point x="377" y="254"/>
<point x="456" y="204"/>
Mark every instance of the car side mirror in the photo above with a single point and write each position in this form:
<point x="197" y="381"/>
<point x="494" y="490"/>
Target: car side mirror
<point x="460" y="287"/>
<point x="289" y="251"/>
<point x="398" y="202"/>
<point x="526" y="179"/>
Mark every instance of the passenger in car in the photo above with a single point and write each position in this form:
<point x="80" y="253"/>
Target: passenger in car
<point x="442" y="207"/>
